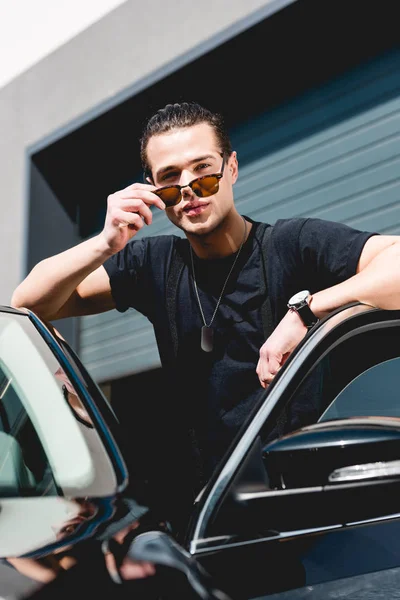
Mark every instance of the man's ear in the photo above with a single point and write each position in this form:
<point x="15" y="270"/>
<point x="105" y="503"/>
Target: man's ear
<point x="233" y="166"/>
<point x="147" y="176"/>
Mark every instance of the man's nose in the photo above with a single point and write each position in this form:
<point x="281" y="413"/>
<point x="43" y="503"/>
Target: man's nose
<point x="186" y="190"/>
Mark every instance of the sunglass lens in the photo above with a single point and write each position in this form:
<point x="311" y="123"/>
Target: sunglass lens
<point x="206" y="186"/>
<point x="169" y="195"/>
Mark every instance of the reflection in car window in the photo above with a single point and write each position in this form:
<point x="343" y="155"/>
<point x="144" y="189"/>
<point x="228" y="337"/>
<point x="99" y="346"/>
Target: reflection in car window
<point x="24" y="468"/>
<point x="376" y="392"/>
<point x="358" y="377"/>
<point x="73" y="399"/>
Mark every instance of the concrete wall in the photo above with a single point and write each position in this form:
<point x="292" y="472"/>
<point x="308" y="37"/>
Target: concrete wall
<point x="128" y="49"/>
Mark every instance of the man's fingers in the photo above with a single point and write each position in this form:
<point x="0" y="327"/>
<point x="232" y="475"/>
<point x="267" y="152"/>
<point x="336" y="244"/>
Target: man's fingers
<point x="144" y="194"/>
<point x="140" y="186"/>
<point x="265" y="380"/>
<point x="122" y="204"/>
<point x="144" y="212"/>
<point x="267" y="368"/>
<point x="133" y="220"/>
<point x="274" y="365"/>
<point x="128" y="210"/>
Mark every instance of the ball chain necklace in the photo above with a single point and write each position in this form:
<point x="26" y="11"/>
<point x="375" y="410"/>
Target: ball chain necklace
<point x="207" y="333"/>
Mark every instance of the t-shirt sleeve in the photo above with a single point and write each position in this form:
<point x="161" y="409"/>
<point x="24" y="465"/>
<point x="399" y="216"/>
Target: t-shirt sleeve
<point x="125" y="272"/>
<point x="312" y="254"/>
<point x="323" y="251"/>
<point x="334" y="248"/>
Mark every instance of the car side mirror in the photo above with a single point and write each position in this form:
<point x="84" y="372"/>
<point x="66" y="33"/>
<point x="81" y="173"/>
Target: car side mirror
<point x="325" y="475"/>
<point x="334" y="452"/>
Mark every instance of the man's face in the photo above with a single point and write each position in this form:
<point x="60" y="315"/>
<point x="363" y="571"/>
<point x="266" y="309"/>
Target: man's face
<point x="182" y="155"/>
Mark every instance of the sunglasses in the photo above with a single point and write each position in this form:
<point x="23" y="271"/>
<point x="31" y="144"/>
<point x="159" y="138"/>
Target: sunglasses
<point x="204" y="186"/>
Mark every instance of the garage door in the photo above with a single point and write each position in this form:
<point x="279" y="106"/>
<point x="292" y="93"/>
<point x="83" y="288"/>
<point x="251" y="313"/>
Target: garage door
<point x="333" y="153"/>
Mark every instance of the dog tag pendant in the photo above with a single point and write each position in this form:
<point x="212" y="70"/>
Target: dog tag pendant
<point x="207" y="336"/>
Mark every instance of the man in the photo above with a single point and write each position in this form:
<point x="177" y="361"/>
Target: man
<point x="221" y="359"/>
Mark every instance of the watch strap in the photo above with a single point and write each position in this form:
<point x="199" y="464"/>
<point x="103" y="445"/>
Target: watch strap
<point x="306" y="315"/>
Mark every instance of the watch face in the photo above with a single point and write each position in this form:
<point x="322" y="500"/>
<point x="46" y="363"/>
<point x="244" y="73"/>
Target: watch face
<point x="299" y="297"/>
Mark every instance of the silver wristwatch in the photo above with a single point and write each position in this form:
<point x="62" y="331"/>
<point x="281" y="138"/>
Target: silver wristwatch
<point x="299" y="303"/>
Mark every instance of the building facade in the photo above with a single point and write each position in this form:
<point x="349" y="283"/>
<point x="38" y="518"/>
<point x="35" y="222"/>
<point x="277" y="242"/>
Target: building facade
<point x="310" y="90"/>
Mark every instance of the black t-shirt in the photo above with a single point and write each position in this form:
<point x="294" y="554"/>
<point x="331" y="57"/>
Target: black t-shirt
<point x="218" y="389"/>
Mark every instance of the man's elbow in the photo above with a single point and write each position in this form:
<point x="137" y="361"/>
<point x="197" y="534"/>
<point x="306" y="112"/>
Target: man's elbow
<point x="18" y="300"/>
<point x="21" y="300"/>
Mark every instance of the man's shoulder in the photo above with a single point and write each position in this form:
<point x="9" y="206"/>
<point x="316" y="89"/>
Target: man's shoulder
<point x="160" y="252"/>
<point x="293" y="229"/>
<point x="288" y="236"/>
<point x="148" y="253"/>
<point x="281" y="228"/>
<point x="315" y="235"/>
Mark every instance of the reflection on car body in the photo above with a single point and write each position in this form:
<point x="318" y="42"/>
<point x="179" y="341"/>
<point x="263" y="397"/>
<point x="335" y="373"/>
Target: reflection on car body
<point x="304" y="503"/>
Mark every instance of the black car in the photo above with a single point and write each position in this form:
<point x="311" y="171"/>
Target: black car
<point x="304" y="505"/>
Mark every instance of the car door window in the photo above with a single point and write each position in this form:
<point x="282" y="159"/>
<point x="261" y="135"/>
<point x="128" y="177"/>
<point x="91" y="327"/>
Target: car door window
<point x="360" y="376"/>
<point x="374" y="392"/>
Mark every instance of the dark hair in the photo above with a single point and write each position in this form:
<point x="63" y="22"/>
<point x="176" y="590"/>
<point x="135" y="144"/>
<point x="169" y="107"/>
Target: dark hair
<point x="177" y="116"/>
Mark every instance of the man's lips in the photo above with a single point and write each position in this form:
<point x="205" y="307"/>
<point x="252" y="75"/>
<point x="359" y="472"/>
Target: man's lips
<point x="195" y="206"/>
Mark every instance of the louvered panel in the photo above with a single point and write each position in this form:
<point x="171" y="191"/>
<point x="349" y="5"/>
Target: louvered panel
<point x="105" y="324"/>
<point x="323" y="194"/>
<point x="334" y="154"/>
<point x="119" y="360"/>
<point x="119" y="346"/>
<point x="383" y="220"/>
<point x="376" y="201"/>
<point x="366" y="146"/>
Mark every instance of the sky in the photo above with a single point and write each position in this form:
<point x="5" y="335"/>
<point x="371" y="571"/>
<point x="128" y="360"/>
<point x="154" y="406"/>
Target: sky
<point x="32" y="29"/>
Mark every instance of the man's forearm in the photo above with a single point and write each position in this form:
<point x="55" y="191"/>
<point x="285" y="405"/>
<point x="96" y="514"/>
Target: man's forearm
<point x="53" y="281"/>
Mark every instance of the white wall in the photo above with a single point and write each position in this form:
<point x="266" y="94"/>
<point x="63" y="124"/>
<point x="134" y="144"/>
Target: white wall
<point x="31" y="29"/>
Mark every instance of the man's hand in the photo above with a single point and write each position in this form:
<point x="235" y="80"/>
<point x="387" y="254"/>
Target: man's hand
<point x="279" y="346"/>
<point x="127" y="212"/>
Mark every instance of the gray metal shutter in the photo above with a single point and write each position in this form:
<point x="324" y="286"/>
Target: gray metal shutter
<point x="333" y="153"/>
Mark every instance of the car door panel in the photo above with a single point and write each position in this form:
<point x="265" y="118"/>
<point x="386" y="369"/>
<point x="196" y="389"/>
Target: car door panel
<point x="374" y="586"/>
<point x="306" y="566"/>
